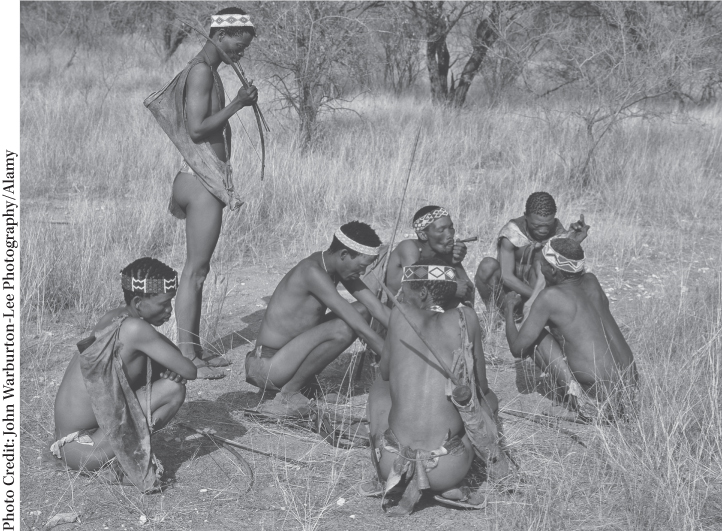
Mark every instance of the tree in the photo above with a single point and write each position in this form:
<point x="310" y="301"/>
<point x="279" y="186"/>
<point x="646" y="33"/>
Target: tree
<point x="314" y="51"/>
<point x="611" y="60"/>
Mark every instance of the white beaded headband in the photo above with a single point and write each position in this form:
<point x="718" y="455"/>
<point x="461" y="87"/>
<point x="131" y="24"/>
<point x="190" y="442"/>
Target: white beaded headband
<point x="348" y="242"/>
<point x="428" y="218"/>
<point x="561" y="262"/>
<point x="231" y="21"/>
<point x="148" y="285"/>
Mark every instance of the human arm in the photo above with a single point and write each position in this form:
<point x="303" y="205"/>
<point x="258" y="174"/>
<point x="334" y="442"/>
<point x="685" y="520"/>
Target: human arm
<point x="465" y="291"/>
<point x="199" y="89"/>
<point x="363" y="294"/>
<point x="508" y="276"/>
<point x="474" y="331"/>
<point x="406" y="253"/>
<point x="141" y="336"/>
<point x="320" y="285"/>
<point x="578" y="230"/>
<point x="522" y="342"/>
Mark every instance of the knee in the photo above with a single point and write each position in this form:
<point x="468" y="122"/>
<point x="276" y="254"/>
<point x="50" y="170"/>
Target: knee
<point x="343" y="332"/>
<point x="364" y="312"/>
<point x="171" y="392"/>
<point x="486" y="270"/>
<point x="196" y="273"/>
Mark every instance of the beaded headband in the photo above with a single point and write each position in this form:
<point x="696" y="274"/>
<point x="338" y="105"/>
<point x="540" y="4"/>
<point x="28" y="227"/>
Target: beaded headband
<point x="348" y="242"/>
<point x="561" y="262"/>
<point x="231" y="21"/>
<point x="428" y="272"/>
<point x="148" y="285"/>
<point x="428" y="218"/>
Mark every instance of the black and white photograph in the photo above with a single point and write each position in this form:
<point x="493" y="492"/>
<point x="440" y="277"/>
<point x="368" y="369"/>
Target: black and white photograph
<point x="345" y="265"/>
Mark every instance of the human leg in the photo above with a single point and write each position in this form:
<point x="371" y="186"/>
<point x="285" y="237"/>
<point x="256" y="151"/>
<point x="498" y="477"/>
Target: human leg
<point x="488" y="281"/>
<point x="304" y="357"/>
<point x="307" y="355"/>
<point x="166" y="398"/>
<point x="204" y="214"/>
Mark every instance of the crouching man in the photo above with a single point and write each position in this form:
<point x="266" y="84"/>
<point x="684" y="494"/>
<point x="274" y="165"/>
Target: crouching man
<point x="298" y="338"/>
<point x="419" y="435"/>
<point x="108" y="404"/>
<point x="584" y="350"/>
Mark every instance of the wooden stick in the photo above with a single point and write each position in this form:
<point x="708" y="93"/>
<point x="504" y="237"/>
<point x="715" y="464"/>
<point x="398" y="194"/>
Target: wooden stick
<point x="384" y="269"/>
<point x="401" y="204"/>
<point x="545" y="420"/>
<point x="468" y="240"/>
<point x="231" y="442"/>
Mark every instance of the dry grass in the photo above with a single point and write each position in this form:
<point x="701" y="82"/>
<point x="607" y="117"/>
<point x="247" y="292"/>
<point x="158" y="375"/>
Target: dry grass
<point x="94" y="160"/>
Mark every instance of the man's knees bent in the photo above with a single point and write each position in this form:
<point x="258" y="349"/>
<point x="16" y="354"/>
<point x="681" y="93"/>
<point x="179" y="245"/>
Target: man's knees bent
<point x="487" y="270"/>
<point x="169" y="391"/>
<point x="343" y="332"/>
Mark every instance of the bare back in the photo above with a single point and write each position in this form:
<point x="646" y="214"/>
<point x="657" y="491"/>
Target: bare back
<point x="421" y="414"/>
<point x="595" y="349"/>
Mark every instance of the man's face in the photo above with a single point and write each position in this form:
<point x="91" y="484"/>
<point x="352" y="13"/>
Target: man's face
<point x="235" y="46"/>
<point x="157" y="308"/>
<point x="440" y="235"/>
<point x="352" y="268"/>
<point x="540" y="227"/>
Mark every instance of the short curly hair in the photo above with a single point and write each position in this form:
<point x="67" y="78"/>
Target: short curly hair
<point x="359" y="232"/>
<point x="540" y="203"/>
<point x="146" y="267"/>
<point x="440" y="291"/>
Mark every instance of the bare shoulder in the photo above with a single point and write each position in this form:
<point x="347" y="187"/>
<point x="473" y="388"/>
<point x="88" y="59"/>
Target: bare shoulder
<point x="408" y="249"/>
<point x="108" y="319"/>
<point x="136" y="332"/>
<point x="200" y="76"/>
<point x="593" y="288"/>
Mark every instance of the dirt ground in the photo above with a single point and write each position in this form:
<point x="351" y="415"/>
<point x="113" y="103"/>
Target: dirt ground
<point x="210" y="489"/>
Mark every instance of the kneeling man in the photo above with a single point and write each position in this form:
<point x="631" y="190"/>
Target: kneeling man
<point x="585" y="351"/>
<point x="517" y="250"/>
<point x="417" y="430"/>
<point x="298" y="339"/>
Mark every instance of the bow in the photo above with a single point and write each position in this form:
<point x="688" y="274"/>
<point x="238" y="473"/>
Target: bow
<point x="260" y="120"/>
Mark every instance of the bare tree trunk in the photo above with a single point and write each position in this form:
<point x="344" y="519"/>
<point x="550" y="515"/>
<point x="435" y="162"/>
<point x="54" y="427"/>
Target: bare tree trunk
<point x="437" y="54"/>
<point x="484" y="39"/>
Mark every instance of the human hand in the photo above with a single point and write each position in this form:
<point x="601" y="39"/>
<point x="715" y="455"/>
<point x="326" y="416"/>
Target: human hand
<point x="512" y="299"/>
<point x="459" y="252"/>
<point x="463" y="288"/>
<point x="170" y="375"/>
<point x="247" y="96"/>
<point x="579" y="230"/>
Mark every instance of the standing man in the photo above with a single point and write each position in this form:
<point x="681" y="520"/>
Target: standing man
<point x="435" y="239"/>
<point x="517" y="249"/>
<point x="193" y="112"/>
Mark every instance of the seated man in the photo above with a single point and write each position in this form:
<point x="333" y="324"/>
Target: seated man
<point x="417" y="430"/>
<point x="517" y="246"/>
<point x="298" y="339"/>
<point x="585" y="352"/>
<point x="107" y="401"/>
<point x="435" y="239"/>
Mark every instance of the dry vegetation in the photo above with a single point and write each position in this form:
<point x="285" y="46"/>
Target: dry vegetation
<point x="96" y="180"/>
